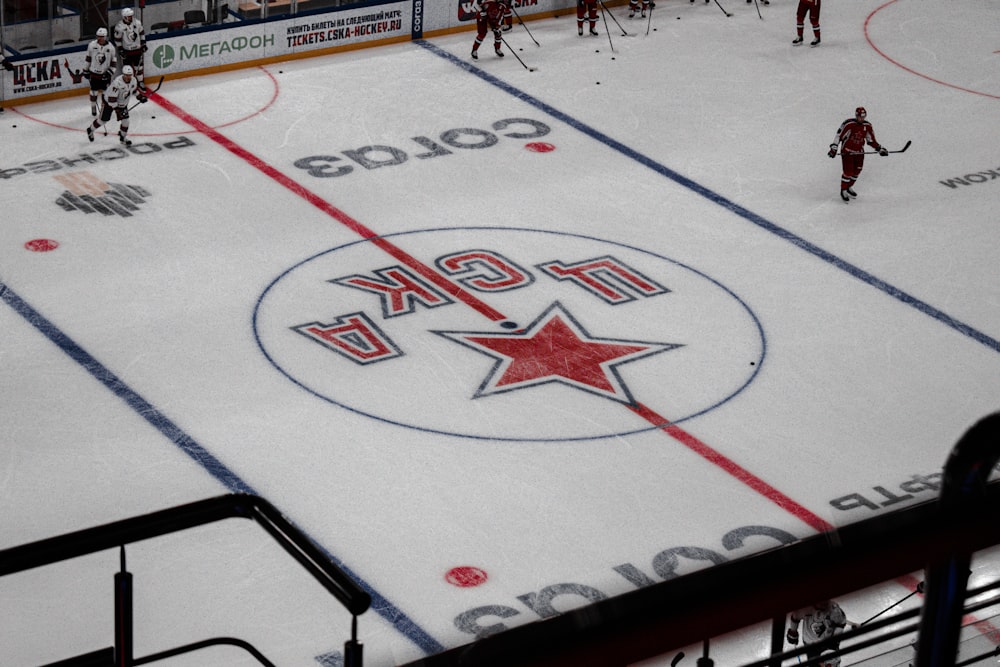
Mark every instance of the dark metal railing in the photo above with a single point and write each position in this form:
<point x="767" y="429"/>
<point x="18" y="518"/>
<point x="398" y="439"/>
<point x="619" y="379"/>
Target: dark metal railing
<point x="669" y="615"/>
<point x="937" y="537"/>
<point x="963" y="490"/>
<point x="128" y="531"/>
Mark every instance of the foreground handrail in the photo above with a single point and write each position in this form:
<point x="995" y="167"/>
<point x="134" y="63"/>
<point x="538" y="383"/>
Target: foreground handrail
<point x="713" y="601"/>
<point x="963" y="490"/>
<point x="237" y="505"/>
<point x="205" y="643"/>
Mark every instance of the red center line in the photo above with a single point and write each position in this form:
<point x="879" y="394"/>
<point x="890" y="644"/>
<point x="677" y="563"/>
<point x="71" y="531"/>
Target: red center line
<point x="678" y="434"/>
<point x="731" y="467"/>
<point x="908" y="581"/>
<point x="271" y="172"/>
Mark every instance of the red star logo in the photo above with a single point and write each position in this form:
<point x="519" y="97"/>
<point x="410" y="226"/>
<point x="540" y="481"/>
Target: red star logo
<point x="556" y="348"/>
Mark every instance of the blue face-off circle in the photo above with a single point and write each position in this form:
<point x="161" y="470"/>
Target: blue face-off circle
<point x="366" y="332"/>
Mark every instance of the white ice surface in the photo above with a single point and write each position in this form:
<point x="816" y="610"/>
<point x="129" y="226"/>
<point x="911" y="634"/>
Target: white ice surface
<point x="695" y="153"/>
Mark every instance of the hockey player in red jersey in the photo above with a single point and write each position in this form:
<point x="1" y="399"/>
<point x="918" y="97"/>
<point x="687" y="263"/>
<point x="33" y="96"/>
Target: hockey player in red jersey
<point x="810" y="7"/>
<point x="852" y="136"/>
<point x="586" y="10"/>
<point x="633" y="7"/>
<point x="508" y="15"/>
<point x="489" y="16"/>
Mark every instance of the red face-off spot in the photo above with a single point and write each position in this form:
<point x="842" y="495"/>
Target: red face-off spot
<point x="540" y="147"/>
<point x="465" y="576"/>
<point x="41" y="245"/>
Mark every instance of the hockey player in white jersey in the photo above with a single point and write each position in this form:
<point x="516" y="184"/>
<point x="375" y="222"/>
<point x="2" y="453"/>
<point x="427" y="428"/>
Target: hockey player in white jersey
<point x="130" y="38"/>
<point x="102" y="62"/>
<point x="822" y="621"/>
<point x="116" y="99"/>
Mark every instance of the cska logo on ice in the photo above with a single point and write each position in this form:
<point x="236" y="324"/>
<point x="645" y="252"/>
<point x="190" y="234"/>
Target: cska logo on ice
<point x="508" y="334"/>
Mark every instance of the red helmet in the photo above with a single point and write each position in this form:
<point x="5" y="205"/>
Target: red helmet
<point x="860" y="112"/>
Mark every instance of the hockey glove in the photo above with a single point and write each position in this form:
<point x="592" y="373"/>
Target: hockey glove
<point x="792" y="636"/>
<point x="7" y="65"/>
<point x="142" y="98"/>
<point x="883" y="151"/>
<point x="833" y="150"/>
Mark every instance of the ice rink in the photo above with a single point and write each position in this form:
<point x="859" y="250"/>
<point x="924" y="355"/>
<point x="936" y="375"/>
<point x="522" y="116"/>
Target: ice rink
<point x="501" y="336"/>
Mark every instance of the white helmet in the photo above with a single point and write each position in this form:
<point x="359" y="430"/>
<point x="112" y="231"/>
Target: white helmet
<point x="127" y="13"/>
<point x="102" y="32"/>
<point x="829" y="659"/>
<point x="127" y="70"/>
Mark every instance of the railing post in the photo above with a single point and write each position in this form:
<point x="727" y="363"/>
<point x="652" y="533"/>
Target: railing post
<point x="353" y="650"/>
<point x="123" y="616"/>
<point x="963" y="487"/>
<point x="705" y="660"/>
<point x="777" y="639"/>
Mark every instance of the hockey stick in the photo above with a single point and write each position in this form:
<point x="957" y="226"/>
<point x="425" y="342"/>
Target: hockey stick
<point x="624" y="32"/>
<point x="530" y="69"/>
<point x="723" y="9"/>
<point x="891" y="606"/>
<point x="758" y="10"/>
<point x="153" y="91"/>
<point x="523" y="25"/>
<point x="608" y="32"/>
<point x="901" y="150"/>
<point x="649" y="20"/>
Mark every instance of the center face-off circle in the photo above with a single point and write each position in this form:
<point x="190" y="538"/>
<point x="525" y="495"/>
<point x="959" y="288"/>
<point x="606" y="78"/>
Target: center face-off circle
<point x="590" y="327"/>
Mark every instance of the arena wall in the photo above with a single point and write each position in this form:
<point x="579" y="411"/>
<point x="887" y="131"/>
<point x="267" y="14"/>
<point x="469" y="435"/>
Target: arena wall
<point x="247" y="43"/>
